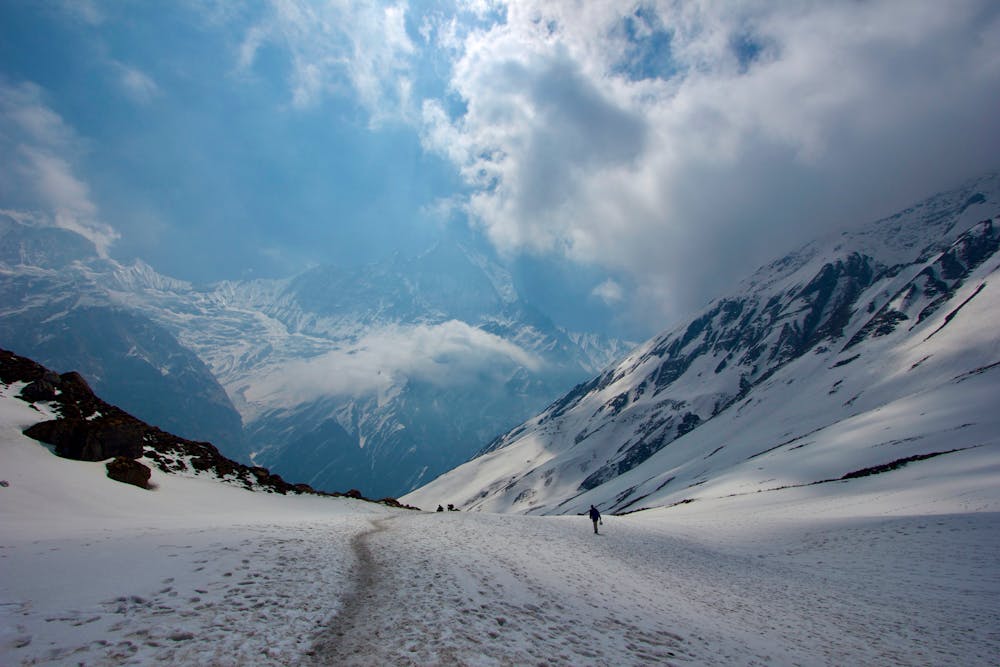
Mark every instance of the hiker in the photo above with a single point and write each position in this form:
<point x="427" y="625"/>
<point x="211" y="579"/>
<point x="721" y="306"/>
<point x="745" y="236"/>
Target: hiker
<point x="595" y="516"/>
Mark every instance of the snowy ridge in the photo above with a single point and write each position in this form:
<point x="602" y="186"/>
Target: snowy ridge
<point x="499" y="277"/>
<point x="64" y="314"/>
<point x="900" y="239"/>
<point x="601" y="351"/>
<point x="141" y="276"/>
<point x="875" y="348"/>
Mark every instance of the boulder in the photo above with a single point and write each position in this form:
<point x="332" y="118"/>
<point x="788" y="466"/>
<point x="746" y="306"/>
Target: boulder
<point x="128" y="471"/>
<point x="95" y="440"/>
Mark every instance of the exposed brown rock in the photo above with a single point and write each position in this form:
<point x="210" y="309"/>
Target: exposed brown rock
<point x="94" y="440"/>
<point x="42" y="389"/>
<point x="128" y="471"/>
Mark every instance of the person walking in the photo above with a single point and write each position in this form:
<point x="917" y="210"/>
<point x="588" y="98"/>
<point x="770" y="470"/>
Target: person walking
<point x="595" y="516"/>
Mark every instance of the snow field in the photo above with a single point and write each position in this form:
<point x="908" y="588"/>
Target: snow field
<point x="687" y="586"/>
<point x="457" y="589"/>
<point x="835" y="580"/>
<point x="196" y="572"/>
<point x="230" y="595"/>
<point x="895" y="569"/>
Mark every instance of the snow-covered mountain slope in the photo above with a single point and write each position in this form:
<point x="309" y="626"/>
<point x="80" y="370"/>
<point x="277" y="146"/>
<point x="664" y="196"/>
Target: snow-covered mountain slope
<point x="198" y="572"/>
<point x="854" y="355"/>
<point x="378" y="378"/>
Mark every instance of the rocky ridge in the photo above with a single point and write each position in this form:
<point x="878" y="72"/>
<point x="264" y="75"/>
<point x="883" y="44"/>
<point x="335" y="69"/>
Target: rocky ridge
<point x="90" y="429"/>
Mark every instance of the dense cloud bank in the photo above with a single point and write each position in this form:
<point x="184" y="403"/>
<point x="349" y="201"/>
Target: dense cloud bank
<point x="671" y="147"/>
<point x="683" y="142"/>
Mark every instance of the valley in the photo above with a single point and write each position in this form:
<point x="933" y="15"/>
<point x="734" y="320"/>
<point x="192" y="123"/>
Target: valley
<point x="378" y="378"/>
<point x="879" y="571"/>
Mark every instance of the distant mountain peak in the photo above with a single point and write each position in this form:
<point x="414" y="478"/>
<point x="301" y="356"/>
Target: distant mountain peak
<point x="418" y="360"/>
<point x="26" y="241"/>
<point x="140" y="275"/>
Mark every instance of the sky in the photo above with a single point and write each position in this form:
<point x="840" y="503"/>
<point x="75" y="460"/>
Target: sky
<point x="630" y="160"/>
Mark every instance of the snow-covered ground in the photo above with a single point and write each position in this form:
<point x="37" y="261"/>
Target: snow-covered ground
<point x="684" y="588"/>
<point x="194" y="573"/>
<point x="883" y="570"/>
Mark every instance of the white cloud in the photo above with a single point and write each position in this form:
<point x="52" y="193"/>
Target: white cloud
<point x="138" y="85"/>
<point x="39" y="147"/>
<point x="751" y="126"/>
<point x="449" y="354"/>
<point x="26" y="118"/>
<point x="339" y="47"/>
<point x="610" y="292"/>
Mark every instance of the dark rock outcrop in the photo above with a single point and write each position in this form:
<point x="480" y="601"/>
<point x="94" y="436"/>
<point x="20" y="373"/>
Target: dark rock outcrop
<point x="42" y="389"/>
<point x="95" y="440"/>
<point x="89" y="429"/>
<point x="129" y="471"/>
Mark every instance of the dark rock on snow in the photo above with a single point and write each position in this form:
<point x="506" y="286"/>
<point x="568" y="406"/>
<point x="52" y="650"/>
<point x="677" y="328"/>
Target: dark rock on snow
<point x="129" y="471"/>
<point x="89" y="429"/>
<point x="95" y="440"/>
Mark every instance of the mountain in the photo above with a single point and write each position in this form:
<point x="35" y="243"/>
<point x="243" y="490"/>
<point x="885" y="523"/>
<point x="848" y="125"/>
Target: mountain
<point x="377" y="378"/>
<point x="54" y="308"/>
<point x="854" y="355"/>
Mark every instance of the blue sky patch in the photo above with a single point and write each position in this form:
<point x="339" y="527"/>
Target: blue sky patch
<point x="647" y="53"/>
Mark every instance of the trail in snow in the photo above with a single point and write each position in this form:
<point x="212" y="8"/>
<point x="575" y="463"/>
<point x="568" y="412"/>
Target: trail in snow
<point x="423" y="599"/>
<point x="346" y="641"/>
<point x="507" y="590"/>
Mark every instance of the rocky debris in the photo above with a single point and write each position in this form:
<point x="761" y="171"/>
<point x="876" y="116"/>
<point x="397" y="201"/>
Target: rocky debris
<point x="892" y="465"/>
<point x="89" y="429"/>
<point x="129" y="471"/>
<point x="392" y="502"/>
